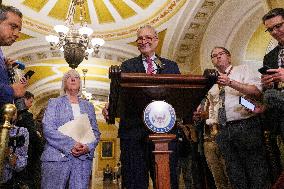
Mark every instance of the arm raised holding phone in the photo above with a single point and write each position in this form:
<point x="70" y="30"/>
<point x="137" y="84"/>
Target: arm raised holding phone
<point x="270" y="76"/>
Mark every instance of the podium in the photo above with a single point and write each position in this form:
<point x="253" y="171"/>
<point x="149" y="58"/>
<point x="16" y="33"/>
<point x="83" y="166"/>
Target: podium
<point x="183" y="92"/>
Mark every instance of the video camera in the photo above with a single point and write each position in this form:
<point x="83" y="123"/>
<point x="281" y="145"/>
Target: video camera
<point x="16" y="141"/>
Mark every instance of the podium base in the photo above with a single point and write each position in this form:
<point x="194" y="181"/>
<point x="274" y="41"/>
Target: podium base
<point x="162" y="156"/>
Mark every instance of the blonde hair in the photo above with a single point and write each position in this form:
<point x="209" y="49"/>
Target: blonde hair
<point x="72" y="72"/>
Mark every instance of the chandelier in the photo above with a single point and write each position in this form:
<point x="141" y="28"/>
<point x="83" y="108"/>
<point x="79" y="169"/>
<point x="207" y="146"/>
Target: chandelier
<point x="73" y="39"/>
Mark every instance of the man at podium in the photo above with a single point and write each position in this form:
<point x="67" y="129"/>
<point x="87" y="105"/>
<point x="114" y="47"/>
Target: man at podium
<point x="136" y="151"/>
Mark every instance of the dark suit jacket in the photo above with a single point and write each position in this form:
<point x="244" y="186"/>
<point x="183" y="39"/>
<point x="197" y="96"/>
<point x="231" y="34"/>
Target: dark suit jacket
<point x="270" y="115"/>
<point x="271" y="59"/>
<point x="132" y="126"/>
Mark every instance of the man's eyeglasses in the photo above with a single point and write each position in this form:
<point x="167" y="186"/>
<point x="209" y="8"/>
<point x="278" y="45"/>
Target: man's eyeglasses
<point x="145" y="38"/>
<point x="276" y="26"/>
<point x="218" y="54"/>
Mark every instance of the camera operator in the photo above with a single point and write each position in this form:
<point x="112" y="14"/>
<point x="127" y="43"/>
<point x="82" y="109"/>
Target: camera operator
<point x="31" y="174"/>
<point x="17" y="155"/>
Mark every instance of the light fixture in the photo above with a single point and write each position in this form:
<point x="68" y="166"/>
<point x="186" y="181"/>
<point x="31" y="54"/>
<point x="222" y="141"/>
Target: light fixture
<point x="85" y="94"/>
<point x="75" y="40"/>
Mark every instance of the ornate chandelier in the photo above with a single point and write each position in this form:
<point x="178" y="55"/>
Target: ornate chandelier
<point x="73" y="39"/>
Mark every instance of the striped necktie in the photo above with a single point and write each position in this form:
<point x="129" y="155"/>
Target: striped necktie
<point x="150" y="68"/>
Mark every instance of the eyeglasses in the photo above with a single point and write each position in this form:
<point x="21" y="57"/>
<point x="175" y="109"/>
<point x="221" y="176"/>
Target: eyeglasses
<point x="218" y="54"/>
<point x="145" y="38"/>
<point x="276" y="26"/>
<point x="72" y="76"/>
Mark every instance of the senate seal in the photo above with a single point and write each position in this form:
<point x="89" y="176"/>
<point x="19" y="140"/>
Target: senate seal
<point x="159" y="117"/>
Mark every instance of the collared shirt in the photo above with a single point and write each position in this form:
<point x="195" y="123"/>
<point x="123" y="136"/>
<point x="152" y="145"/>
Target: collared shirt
<point x="153" y="58"/>
<point x="21" y="153"/>
<point x="234" y="111"/>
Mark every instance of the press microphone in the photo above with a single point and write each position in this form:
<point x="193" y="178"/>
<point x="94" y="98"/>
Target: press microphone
<point x="20" y="65"/>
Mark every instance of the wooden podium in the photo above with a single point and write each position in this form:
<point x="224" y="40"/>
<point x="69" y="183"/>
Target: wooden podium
<point x="183" y="92"/>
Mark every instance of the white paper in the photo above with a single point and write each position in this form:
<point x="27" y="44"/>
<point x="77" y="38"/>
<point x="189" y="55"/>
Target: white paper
<point x="79" y="129"/>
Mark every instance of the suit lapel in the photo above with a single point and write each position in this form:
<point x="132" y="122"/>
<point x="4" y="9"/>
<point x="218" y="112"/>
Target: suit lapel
<point x="140" y="66"/>
<point x="274" y="58"/>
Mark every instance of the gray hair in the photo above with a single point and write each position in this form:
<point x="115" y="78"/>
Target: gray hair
<point x="65" y="77"/>
<point x="148" y="27"/>
<point x="5" y="9"/>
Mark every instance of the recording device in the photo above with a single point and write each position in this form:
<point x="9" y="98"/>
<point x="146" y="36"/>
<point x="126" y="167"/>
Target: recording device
<point x="247" y="104"/>
<point x="264" y="69"/>
<point x="16" y="141"/>
<point x="20" y="102"/>
<point x="29" y="74"/>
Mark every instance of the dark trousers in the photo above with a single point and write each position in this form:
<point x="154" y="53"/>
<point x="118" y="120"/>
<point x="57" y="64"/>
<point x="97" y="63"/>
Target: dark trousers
<point x="137" y="161"/>
<point x="274" y="115"/>
<point x="241" y="144"/>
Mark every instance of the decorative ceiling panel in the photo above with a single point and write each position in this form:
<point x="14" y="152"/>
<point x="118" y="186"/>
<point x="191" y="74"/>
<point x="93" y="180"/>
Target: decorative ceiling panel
<point x="59" y="11"/>
<point x="123" y="9"/>
<point x="103" y="13"/>
<point x="143" y="3"/>
<point x="35" y="5"/>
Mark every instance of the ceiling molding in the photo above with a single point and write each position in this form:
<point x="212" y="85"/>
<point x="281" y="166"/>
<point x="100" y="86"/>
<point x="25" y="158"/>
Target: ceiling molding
<point x="192" y="34"/>
<point x="234" y="34"/>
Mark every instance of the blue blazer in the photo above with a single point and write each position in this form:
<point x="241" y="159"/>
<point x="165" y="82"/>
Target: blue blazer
<point x="132" y="126"/>
<point x="58" y="146"/>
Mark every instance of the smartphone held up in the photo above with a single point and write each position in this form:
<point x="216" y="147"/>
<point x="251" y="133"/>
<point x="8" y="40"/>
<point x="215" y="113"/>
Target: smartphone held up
<point x="247" y="104"/>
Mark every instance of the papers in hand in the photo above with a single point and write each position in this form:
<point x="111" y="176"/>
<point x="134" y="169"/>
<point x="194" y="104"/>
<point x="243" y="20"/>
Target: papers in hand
<point x="79" y="129"/>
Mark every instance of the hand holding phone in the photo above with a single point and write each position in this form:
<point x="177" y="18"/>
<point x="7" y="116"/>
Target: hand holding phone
<point x="264" y="69"/>
<point x="247" y="104"/>
<point x="29" y="74"/>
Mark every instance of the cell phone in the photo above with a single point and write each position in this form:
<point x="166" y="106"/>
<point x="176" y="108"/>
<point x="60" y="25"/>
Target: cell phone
<point x="247" y="104"/>
<point x="29" y="74"/>
<point x="16" y="141"/>
<point x="264" y="69"/>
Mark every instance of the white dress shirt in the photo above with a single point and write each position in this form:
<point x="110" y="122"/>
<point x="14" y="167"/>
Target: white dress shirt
<point x="76" y="110"/>
<point x="234" y="111"/>
<point x="153" y="58"/>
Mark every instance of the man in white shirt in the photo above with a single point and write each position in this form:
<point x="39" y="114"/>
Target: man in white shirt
<point x="240" y="135"/>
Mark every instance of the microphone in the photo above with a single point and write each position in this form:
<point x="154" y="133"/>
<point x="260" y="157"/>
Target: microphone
<point x="20" y="65"/>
